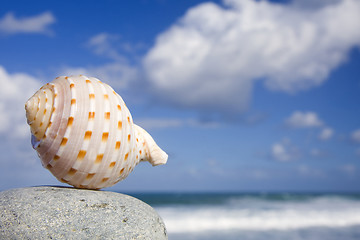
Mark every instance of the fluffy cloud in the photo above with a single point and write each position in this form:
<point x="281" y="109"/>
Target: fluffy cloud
<point x="349" y="169"/>
<point x="9" y="24"/>
<point x="102" y="44"/>
<point x="16" y="89"/>
<point x="158" y="123"/>
<point x="284" y="151"/>
<point x="211" y="57"/>
<point x="357" y="152"/>
<point x="319" y="153"/>
<point x="326" y="134"/>
<point x="307" y="171"/>
<point x="303" y="120"/>
<point x="355" y="136"/>
<point x="155" y="123"/>
<point x="279" y="153"/>
<point x="118" y="74"/>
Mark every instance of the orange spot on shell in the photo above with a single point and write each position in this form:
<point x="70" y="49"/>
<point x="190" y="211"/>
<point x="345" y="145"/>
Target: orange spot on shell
<point x="88" y="135"/>
<point x="107" y="115"/>
<point x="81" y="155"/>
<point x="117" y="145"/>
<point x="70" y="121"/>
<point x="120" y="125"/>
<point x="99" y="158"/>
<point x="129" y="137"/>
<point x="92" y="96"/>
<point x="73" y="101"/>
<point x="56" y="157"/>
<point x="112" y="164"/>
<point x="72" y="85"/>
<point x="88" y="81"/>
<point x="106" y="96"/>
<point x="119" y="107"/>
<point x="63" y="180"/>
<point x="105" y="179"/>
<point x="63" y="142"/>
<point x="90" y="176"/>
<point x="72" y="171"/>
<point x="121" y="171"/>
<point x="126" y="156"/>
<point x="91" y="115"/>
<point x="105" y="136"/>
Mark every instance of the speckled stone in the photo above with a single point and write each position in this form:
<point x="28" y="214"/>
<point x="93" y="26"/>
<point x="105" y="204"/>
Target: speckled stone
<point x="69" y="213"/>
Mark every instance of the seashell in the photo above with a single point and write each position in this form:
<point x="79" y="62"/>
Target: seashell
<point x="84" y="133"/>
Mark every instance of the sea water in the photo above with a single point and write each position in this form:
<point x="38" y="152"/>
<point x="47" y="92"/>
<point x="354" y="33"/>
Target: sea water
<point x="258" y="216"/>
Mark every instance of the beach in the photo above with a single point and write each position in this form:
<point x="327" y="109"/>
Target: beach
<point x="253" y="216"/>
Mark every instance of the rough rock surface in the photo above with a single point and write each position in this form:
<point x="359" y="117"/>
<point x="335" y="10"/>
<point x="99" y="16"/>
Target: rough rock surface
<point x="69" y="213"/>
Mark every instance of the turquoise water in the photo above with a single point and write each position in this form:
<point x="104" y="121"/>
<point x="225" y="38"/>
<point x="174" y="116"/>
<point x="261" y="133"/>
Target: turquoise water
<point x="258" y="216"/>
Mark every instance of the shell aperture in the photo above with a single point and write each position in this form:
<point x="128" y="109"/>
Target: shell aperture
<point x="84" y="133"/>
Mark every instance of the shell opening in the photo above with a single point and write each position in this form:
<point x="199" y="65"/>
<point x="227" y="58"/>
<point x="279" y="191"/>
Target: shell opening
<point x="38" y="111"/>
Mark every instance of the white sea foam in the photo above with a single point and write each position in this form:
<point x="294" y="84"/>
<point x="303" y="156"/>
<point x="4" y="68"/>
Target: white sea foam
<point x="261" y="215"/>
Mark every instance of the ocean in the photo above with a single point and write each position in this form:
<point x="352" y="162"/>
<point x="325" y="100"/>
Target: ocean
<point x="230" y="216"/>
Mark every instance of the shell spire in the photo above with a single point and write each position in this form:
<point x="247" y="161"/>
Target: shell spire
<point x="38" y="111"/>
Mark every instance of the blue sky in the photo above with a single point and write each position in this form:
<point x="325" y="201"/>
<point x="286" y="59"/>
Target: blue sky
<point x="243" y="95"/>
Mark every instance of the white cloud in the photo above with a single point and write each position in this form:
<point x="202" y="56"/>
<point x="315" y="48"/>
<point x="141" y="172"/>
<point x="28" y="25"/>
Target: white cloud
<point x="303" y="120"/>
<point x="159" y="123"/>
<point x="355" y="136"/>
<point x="307" y="171"/>
<point x="357" y="152"/>
<point x="284" y="151"/>
<point x="9" y="24"/>
<point x="326" y="134"/>
<point x="103" y="45"/>
<point x="318" y="153"/>
<point x="280" y="153"/>
<point x="313" y="4"/>
<point x="259" y="174"/>
<point x="16" y="89"/>
<point x="113" y="46"/>
<point x="349" y="169"/>
<point x="117" y="74"/>
<point x="211" y="57"/>
<point x="156" y="123"/>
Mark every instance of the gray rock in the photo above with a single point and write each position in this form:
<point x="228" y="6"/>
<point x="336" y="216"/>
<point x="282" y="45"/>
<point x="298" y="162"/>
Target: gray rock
<point x="69" y="213"/>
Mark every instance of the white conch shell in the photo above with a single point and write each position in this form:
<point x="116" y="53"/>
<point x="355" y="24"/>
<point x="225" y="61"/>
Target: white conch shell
<point x="84" y="133"/>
